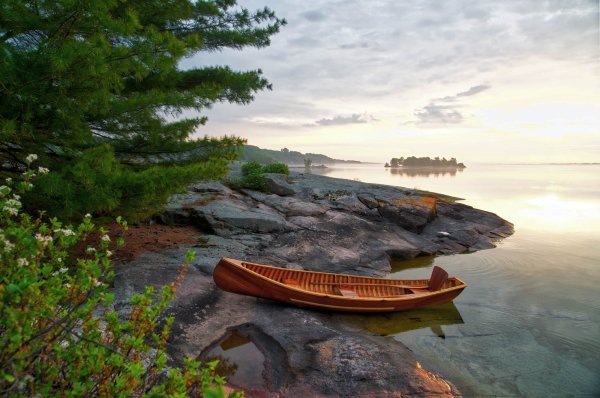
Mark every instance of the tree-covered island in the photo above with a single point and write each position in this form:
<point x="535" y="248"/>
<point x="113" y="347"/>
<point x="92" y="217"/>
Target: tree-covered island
<point x="436" y="162"/>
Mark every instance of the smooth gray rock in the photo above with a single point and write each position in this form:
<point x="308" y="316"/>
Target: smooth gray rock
<point x="277" y="184"/>
<point x="228" y="216"/>
<point x="292" y="207"/>
<point x="340" y="225"/>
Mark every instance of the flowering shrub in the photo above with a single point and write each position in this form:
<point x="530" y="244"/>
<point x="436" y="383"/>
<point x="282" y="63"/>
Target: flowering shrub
<point x="59" y="335"/>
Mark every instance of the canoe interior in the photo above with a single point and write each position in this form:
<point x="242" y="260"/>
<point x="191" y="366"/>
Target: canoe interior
<point x="345" y="285"/>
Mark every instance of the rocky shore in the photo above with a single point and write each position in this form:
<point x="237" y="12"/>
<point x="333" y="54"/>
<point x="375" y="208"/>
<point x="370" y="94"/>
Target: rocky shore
<point x="312" y="222"/>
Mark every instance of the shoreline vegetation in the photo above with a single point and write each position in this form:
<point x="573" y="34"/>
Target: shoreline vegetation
<point x="424" y="163"/>
<point x="292" y="158"/>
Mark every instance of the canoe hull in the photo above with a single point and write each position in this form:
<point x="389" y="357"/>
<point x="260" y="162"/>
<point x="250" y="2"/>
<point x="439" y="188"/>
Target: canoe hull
<point x="232" y="276"/>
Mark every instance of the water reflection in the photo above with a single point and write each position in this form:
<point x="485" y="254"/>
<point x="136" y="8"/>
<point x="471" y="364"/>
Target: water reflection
<point x="432" y="317"/>
<point x="318" y="170"/>
<point x="240" y="360"/>
<point x="422" y="172"/>
<point x="417" y="262"/>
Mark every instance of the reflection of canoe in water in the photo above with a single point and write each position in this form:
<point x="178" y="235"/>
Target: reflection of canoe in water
<point x="433" y="317"/>
<point x="336" y="292"/>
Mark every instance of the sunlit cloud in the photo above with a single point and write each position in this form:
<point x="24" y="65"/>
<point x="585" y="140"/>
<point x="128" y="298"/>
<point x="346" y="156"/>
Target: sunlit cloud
<point x="448" y="112"/>
<point x="486" y="81"/>
<point x="342" y="120"/>
<point x="438" y="114"/>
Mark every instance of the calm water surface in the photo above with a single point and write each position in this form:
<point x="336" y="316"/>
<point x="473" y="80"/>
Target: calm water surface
<point x="529" y="322"/>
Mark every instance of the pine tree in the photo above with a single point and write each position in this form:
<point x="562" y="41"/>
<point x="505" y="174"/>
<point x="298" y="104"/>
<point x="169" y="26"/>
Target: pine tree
<point x="97" y="85"/>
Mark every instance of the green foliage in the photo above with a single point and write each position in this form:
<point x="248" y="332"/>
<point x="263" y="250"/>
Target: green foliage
<point x="265" y="156"/>
<point x="253" y="178"/>
<point x="251" y="168"/>
<point x="59" y="335"/>
<point x="77" y="75"/>
<point x="279" y="168"/>
<point x="256" y="182"/>
<point x="98" y="183"/>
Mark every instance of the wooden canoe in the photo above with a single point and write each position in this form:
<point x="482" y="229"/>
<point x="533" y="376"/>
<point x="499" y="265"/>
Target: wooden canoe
<point x="337" y="292"/>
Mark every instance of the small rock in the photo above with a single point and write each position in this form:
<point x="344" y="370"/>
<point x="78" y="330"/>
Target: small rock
<point x="277" y="184"/>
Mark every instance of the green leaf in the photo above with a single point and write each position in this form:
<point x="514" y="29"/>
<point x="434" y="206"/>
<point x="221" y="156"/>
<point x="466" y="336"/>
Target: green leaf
<point x="13" y="289"/>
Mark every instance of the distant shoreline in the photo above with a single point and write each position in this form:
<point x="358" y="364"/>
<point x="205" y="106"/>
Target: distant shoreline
<point x="548" y="164"/>
<point x="321" y="166"/>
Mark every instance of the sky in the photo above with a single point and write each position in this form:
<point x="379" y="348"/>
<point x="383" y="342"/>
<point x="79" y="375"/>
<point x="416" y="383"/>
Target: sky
<point x="481" y="81"/>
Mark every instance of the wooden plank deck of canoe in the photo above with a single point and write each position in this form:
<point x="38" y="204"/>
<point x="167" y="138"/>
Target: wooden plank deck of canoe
<point x="339" y="292"/>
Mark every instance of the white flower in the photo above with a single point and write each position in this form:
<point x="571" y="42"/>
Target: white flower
<point x="43" y="239"/>
<point x="43" y="170"/>
<point x="65" y="232"/>
<point x="108" y="253"/>
<point x="13" y="203"/>
<point x="11" y="210"/>
<point x="88" y="215"/>
<point x="60" y="271"/>
<point x="21" y="262"/>
<point x="17" y="197"/>
<point x="59" y="260"/>
<point x="96" y="282"/>
<point x="8" y="246"/>
<point x="90" y="250"/>
<point x="106" y="238"/>
<point x="8" y="180"/>
<point x="30" y="158"/>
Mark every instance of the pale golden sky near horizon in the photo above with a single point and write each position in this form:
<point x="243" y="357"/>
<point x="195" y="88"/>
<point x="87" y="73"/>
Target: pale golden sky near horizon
<point x="495" y="81"/>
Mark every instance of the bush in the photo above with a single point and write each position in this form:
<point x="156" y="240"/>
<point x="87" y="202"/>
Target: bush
<point x="98" y="184"/>
<point x="280" y="168"/>
<point x="58" y="332"/>
<point x="253" y="177"/>
<point x="251" y="168"/>
<point x="256" y="182"/>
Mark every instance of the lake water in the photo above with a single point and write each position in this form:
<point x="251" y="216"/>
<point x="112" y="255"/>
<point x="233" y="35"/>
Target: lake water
<point x="528" y="323"/>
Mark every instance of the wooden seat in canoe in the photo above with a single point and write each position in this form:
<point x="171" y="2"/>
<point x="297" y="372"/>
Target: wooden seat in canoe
<point x="436" y="282"/>
<point x="346" y="291"/>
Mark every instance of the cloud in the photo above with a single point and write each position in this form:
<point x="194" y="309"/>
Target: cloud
<point x="474" y="90"/>
<point x="314" y="15"/>
<point x="438" y="114"/>
<point x="420" y="63"/>
<point x="434" y="113"/>
<point x="338" y="120"/>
